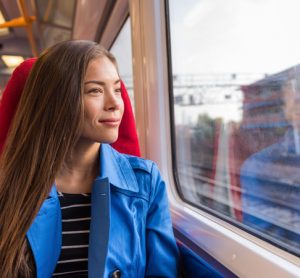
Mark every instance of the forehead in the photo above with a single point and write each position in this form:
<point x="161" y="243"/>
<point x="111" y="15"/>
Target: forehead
<point x="101" y="69"/>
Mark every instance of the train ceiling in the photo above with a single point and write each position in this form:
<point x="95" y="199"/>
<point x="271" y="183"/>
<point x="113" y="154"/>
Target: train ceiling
<point x="29" y="26"/>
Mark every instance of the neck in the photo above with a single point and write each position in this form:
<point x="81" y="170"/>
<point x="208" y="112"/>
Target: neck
<point x="84" y="156"/>
<point x="80" y="169"/>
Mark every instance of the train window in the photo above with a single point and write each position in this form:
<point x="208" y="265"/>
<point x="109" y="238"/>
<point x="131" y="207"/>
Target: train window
<point x="236" y="112"/>
<point x="122" y="49"/>
<point x="57" y="13"/>
<point x="55" y="20"/>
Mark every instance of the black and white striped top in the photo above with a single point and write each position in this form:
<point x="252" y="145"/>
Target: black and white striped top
<point x="76" y="217"/>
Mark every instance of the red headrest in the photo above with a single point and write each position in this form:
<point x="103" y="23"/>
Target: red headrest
<point x="126" y="143"/>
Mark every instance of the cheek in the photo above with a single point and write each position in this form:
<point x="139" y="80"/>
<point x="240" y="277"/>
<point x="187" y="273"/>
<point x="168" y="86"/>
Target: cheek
<point x="91" y="109"/>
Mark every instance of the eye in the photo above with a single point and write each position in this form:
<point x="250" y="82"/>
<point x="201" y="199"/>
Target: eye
<point x="95" y="91"/>
<point x="118" y="91"/>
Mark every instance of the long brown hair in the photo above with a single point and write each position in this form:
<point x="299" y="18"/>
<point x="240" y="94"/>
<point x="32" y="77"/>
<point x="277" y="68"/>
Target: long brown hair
<point x="44" y="131"/>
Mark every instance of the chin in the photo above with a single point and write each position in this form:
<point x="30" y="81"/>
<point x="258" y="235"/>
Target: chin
<point x="109" y="140"/>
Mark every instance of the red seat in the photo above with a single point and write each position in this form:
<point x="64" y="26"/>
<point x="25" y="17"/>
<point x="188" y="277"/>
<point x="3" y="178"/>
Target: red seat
<point x="126" y="143"/>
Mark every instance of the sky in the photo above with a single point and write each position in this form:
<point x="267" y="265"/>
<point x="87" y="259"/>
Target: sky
<point x="236" y="36"/>
<point x="249" y="37"/>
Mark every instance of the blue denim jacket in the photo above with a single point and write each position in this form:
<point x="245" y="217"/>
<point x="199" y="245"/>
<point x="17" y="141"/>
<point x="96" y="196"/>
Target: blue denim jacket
<point x="130" y="228"/>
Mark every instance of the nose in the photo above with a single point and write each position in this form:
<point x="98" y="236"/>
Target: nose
<point x="112" y="100"/>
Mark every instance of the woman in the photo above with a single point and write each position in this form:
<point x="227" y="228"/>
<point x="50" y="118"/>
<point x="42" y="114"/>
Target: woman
<point x="57" y="164"/>
<point x="127" y="141"/>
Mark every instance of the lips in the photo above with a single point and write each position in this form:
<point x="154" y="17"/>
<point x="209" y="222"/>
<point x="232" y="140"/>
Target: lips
<point x="111" y="122"/>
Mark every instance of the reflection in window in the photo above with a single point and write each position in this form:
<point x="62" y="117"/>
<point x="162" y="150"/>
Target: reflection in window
<point x="236" y="92"/>
<point x="56" y="12"/>
<point x="121" y="49"/>
<point x="55" y="19"/>
<point x="52" y="35"/>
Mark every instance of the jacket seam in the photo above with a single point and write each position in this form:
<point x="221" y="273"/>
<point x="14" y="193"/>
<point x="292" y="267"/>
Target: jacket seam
<point x="151" y="186"/>
<point x="130" y="194"/>
<point x="135" y="163"/>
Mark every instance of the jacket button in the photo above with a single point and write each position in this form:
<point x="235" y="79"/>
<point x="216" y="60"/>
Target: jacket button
<point x="116" y="274"/>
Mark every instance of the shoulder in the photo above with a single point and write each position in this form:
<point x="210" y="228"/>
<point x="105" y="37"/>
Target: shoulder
<point x="145" y="171"/>
<point x="133" y="162"/>
<point x="144" y="167"/>
<point x="148" y="177"/>
<point x="139" y="164"/>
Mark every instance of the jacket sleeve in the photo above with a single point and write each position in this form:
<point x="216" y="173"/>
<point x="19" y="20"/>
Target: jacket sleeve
<point x="162" y="252"/>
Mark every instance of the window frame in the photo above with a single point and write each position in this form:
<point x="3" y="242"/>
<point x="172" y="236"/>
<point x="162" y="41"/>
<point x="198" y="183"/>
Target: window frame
<point x="233" y="248"/>
<point x="199" y="206"/>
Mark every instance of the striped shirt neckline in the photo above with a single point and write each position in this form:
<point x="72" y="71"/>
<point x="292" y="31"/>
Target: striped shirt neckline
<point x="76" y="217"/>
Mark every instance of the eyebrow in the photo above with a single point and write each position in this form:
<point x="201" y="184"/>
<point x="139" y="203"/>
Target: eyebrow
<point x="100" y="82"/>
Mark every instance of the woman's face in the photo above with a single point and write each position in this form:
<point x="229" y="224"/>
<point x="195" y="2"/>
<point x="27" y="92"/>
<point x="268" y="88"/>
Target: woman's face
<point x="103" y="104"/>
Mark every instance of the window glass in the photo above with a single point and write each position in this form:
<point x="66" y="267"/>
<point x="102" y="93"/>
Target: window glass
<point x="121" y="49"/>
<point x="56" y="12"/>
<point x="236" y="95"/>
<point x="52" y="35"/>
<point x="56" y="20"/>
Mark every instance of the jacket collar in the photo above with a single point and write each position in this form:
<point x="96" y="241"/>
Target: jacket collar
<point x="116" y="167"/>
<point x="53" y="192"/>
